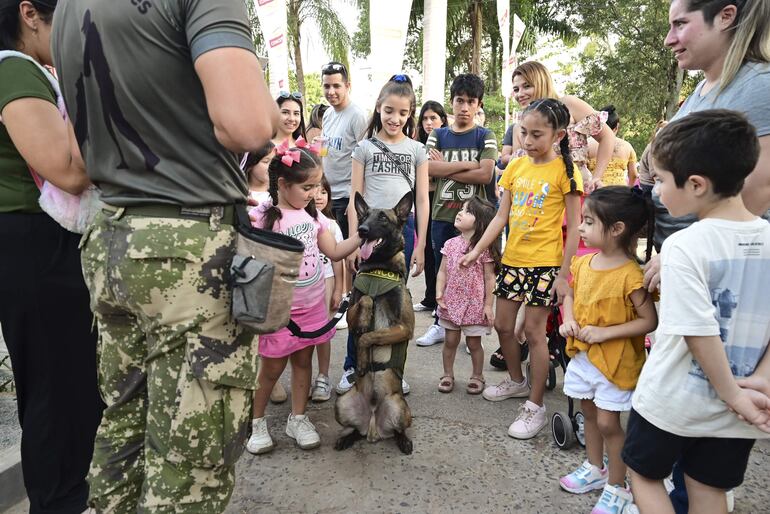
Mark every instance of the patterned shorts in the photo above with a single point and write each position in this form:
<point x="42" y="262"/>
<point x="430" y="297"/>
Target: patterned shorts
<point x="529" y="285"/>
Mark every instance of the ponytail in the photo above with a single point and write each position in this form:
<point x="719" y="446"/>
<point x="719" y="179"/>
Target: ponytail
<point x="568" y="163"/>
<point x="273" y="213"/>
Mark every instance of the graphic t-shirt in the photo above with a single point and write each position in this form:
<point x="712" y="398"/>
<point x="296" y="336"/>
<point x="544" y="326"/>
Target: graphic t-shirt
<point x="537" y="210"/>
<point x="475" y="144"/>
<point x="137" y="105"/>
<point x="714" y="282"/>
<point x="297" y="223"/>
<point x="343" y="129"/>
<point x="384" y="183"/>
<point x="19" y="78"/>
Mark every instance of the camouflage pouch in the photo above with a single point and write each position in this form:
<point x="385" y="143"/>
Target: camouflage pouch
<point x="263" y="274"/>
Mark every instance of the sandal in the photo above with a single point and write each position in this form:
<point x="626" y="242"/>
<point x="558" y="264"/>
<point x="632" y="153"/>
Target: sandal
<point x="446" y="384"/>
<point x="475" y="385"/>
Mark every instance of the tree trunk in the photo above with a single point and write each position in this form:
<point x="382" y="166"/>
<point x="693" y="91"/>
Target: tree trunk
<point x="298" y="65"/>
<point x="676" y="78"/>
<point x="294" y="31"/>
<point x="476" y="32"/>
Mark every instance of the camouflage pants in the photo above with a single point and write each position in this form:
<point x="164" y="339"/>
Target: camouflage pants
<point x="174" y="370"/>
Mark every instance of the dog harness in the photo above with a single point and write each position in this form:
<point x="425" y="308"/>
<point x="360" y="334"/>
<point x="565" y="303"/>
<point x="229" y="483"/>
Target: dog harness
<point x="376" y="283"/>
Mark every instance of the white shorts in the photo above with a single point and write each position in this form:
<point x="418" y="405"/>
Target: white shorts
<point x="468" y="330"/>
<point x="585" y="382"/>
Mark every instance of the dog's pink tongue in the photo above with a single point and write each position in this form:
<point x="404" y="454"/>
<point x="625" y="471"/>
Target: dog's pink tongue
<point x="367" y="248"/>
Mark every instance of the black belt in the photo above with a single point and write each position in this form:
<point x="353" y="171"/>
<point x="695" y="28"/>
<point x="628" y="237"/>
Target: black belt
<point x="227" y="212"/>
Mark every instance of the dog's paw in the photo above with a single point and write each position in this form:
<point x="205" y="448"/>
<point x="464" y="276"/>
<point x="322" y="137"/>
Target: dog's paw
<point x="346" y="441"/>
<point x="404" y="444"/>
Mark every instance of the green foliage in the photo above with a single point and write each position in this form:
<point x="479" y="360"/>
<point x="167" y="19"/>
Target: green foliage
<point x="626" y="64"/>
<point x="313" y="89"/>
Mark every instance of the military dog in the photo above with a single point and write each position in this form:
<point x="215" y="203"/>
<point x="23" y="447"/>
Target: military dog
<point x="381" y="321"/>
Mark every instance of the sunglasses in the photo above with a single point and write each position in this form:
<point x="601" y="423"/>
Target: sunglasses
<point x="334" y="66"/>
<point x="285" y="94"/>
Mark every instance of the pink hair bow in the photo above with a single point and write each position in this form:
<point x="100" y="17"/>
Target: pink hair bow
<point x="288" y="156"/>
<point x="313" y="147"/>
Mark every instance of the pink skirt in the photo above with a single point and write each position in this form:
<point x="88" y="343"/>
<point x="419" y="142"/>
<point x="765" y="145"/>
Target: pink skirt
<point x="282" y="343"/>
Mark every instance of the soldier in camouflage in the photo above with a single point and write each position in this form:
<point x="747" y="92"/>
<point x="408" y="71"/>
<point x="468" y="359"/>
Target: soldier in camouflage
<point x="161" y="95"/>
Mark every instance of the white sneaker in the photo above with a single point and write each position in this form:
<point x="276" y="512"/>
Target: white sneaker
<point x="419" y="307"/>
<point x="345" y="384"/>
<point x="506" y="389"/>
<point x="530" y="420"/>
<point x="434" y="335"/>
<point x="322" y="389"/>
<point x="278" y="394"/>
<point x="730" y="495"/>
<point x="260" y="440"/>
<point x="614" y="500"/>
<point x="302" y="431"/>
<point x="405" y="387"/>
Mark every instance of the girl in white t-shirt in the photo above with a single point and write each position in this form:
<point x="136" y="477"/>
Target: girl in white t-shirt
<point x="333" y="275"/>
<point x="295" y="176"/>
<point x="255" y="166"/>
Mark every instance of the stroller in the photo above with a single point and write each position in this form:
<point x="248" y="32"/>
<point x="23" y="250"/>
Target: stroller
<point x="566" y="428"/>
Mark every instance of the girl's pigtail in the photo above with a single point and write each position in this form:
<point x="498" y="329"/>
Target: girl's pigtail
<point x="375" y="123"/>
<point x="650" y="208"/>
<point x="568" y="163"/>
<point x="273" y="213"/>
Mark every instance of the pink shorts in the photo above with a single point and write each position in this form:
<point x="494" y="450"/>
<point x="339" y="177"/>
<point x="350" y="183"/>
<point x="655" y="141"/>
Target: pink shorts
<point x="282" y="343"/>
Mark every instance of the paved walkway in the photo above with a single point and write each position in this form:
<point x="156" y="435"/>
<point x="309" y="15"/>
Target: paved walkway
<point x="463" y="460"/>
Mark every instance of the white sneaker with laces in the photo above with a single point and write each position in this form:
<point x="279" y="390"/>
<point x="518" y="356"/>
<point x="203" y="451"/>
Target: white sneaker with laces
<point x="419" y="307"/>
<point x="322" y="389"/>
<point x="434" y="335"/>
<point x="302" y="431"/>
<point x="260" y="440"/>
<point x="405" y="387"/>
<point x="345" y="384"/>
<point x="529" y="422"/>
<point x="506" y="389"/>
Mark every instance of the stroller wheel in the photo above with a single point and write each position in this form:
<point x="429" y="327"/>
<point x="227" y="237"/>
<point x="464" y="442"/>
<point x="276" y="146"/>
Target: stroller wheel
<point x="562" y="430"/>
<point x="580" y="434"/>
<point x="551" y="382"/>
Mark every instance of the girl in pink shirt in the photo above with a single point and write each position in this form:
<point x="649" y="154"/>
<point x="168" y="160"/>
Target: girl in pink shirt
<point x="464" y="295"/>
<point x="295" y="176"/>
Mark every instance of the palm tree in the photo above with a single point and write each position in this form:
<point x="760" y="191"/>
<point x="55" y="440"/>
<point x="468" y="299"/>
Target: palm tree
<point x="334" y="35"/>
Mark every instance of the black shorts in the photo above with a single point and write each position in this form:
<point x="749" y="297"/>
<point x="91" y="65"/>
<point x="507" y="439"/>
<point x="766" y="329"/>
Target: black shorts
<point x="532" y="286"/>
<point x="713" y="461"/>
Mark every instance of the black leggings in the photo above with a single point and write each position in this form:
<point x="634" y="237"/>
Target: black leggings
<point x="47" y="326"/>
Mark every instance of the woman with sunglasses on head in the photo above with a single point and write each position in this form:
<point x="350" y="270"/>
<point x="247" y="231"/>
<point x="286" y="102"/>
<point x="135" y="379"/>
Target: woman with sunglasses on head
<point x="292" y="118"/>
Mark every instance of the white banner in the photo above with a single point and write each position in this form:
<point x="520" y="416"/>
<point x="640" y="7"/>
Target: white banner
<point x="388" y="22"/>
<point x="518" y="31"/>
<point x="434" y="51"/>
<point x="504" y="19"/>
<point x="272" y="20"/>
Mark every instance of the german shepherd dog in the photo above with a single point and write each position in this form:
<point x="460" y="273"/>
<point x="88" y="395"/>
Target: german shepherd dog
<point x="381" y="321"/>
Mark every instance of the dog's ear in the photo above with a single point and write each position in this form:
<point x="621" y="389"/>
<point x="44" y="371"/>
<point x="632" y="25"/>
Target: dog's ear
<point x="404" y="207"/>
<point x="361" y="208"/>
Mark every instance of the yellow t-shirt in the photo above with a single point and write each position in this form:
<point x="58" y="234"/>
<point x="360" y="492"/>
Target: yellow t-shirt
<point x="616" y="173"/>
<point x="602" y="299"/>
<point x="537" y="211"/>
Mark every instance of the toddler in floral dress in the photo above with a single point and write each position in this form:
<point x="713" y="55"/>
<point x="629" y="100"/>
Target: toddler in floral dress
<point x="464" y="294"/>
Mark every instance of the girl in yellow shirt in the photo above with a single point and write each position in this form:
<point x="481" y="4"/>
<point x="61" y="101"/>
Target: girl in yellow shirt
<point x="537" y="189"/>
<point x="606" y="316"/>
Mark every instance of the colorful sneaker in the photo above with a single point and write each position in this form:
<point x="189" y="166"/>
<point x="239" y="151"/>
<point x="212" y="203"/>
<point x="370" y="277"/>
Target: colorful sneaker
<point x="585" y="478"/>
<point x="302" y="431"/>
<point x="434" y="335"/>
<point x="506" y="389"/>
<point x="614" y="500"/>
<point x="322" y="389"/>
<point x="260" y="440"/>
<point x="345" y="384"/>
<point x="529" y="422"/>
